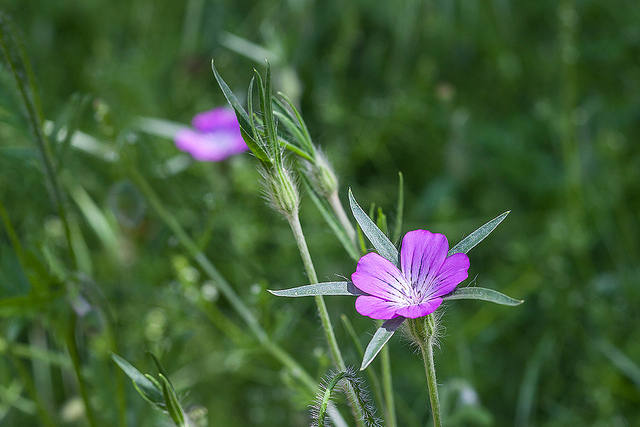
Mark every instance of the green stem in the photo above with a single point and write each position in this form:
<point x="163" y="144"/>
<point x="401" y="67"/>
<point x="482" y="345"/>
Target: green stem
<point x="223" y="323"/>
<point x="34" y="115"/>
<point x="387" y="386"/>
<point x="294" y="221"/>
<point x="338" y="209"/>
<point x="120" y="398"/>
<point x="72" y="346"/>
<point x="45" y="417"/>
<point x="336" y="355"/>
<point x="422" y="331"/>
<point x="225" y="288"/>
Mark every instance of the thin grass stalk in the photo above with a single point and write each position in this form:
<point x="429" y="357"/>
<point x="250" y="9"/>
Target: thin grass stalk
<point x="35" y="118"/>
<point x="72" y="347"/>
<point x="338" y="209"/>
<point x="45" y="417"/>
<point x="225" y="288"/>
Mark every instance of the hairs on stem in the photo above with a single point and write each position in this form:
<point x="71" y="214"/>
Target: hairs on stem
<point x="338" y="380"/>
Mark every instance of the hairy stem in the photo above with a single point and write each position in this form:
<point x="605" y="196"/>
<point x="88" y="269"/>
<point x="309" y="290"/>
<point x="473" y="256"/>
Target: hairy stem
<point x="336" y="355"/>
<point x="387" y="385"/>
<point x="423" y="332"/>
<point x="313" y="279"/>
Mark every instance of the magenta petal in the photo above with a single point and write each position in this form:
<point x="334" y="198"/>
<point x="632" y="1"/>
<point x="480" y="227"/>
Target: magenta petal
<point x="452" y="272"/>
<point x="214" y="146"/>
<point x="422" y="255"/>
<point x="376" y="308"/>
<point x="419" y="310"/>
<point x="216" y="119"/>
<point x="377" y="276"/>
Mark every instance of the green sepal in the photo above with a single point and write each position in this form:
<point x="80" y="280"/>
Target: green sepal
<point x="158" y="364"/>
<point x="482" y="294"/>
<point x="292" y="111"/>
<point x="466" y="244"/>
<point x="326" y="288"/>
<point x="380" y="338"/>
<point x="266" y="105"/>
<point x="378" y="239"/>
<point x="173" y="406"/>
<point x="246" y="128"/>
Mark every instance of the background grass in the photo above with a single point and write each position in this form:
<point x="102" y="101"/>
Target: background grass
<point x="484" y="107"/>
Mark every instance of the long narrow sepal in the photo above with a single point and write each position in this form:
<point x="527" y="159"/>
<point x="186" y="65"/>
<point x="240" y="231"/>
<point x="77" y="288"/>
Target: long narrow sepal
<point x="380" y="338"/>
<point x="466" y="244"/>
<point x="172" y="403"/>
<point x="326" y="288"/>
<point x="246" y="126"/>
<point x="483" y="294"/>
<point x="380" y="242"/>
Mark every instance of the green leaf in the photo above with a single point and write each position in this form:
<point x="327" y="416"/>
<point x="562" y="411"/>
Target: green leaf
<point x="482" y="294"/>
<point x="326" y="288"/>
<point x="172" y="403"/>
<point x="243" y="117"/>
<point x="27" y="305"/>
<point x="158" y="364"/>
<point x="147" y="389"/>
<point x="267" y="110"/>
<point x="380" y="338"/>
<point x="620" y="360"/>
<point x="293" y="148"/>
<point x="293" y="132"/>
<point x="252" y="121"/>
<point x="69" y="119"/>
<point x="466" y="244"/>
<point x="158" y="127"/>
<point x="306" y="139"/>
<point x="377" y="238"/>
<point x="255" y="148"/>
<point x="94" y="217"/>
<point x="246" y="128"/>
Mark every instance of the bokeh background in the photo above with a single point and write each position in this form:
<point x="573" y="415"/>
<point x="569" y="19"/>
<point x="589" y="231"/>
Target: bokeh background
<point x="484" y="106"/>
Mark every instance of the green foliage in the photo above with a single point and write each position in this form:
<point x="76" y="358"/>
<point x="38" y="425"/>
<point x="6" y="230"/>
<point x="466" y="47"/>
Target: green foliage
<point x="482" y="106"/>
<point x="333" y="381"/>
<point x="160" y="394"/>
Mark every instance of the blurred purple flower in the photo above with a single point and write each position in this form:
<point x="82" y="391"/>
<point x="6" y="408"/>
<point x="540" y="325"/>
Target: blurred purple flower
<point x="214" y="137"/>
<point x="426" y="274"/>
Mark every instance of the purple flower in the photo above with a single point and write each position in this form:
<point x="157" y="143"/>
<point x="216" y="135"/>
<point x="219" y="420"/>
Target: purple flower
<point x="216" y="136"/>
<point x="426" y="274"/>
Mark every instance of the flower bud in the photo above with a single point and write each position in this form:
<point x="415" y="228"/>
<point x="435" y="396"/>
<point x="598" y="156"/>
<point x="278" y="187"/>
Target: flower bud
<point x="282" y="190"/>
<point x="322" y="176"/>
